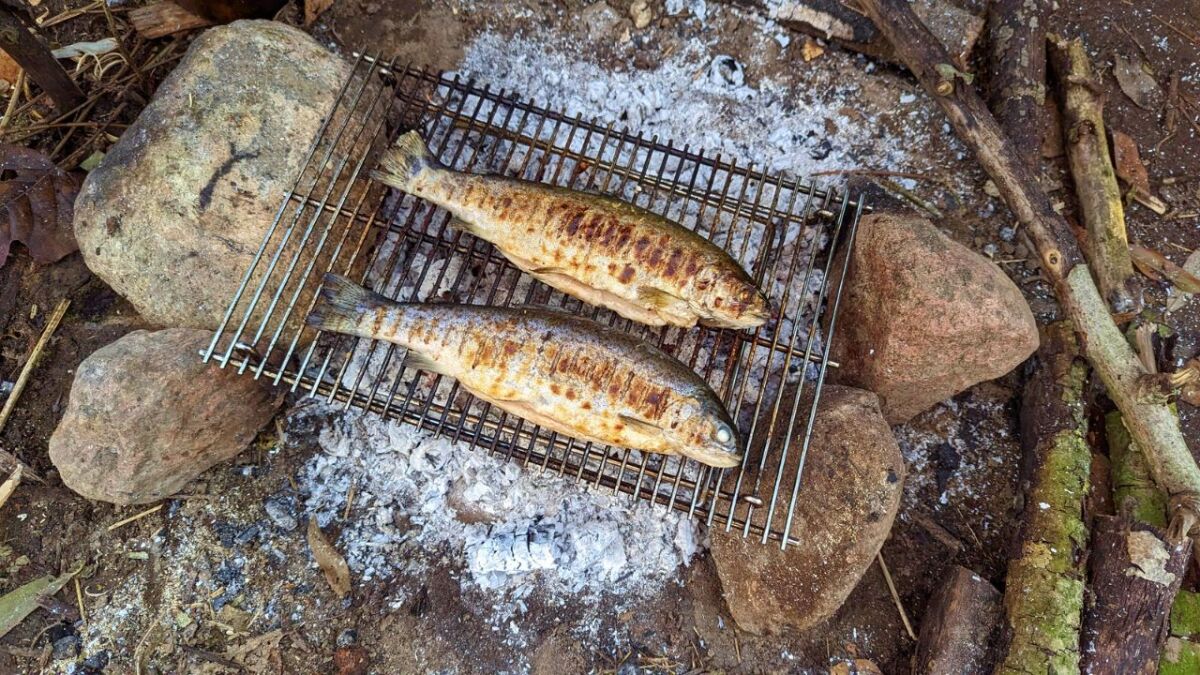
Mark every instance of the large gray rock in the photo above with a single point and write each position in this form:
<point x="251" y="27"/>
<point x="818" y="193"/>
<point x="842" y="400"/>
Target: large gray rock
<point x="174" y="214"/>
<point x="850" y="492"/>
<point x="924" y="317"/>
<point x="145" y="416"/>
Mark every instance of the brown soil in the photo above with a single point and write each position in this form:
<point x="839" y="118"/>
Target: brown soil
<point x="212" y="562"/>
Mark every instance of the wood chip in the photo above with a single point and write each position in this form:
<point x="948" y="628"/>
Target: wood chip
<point x="811" y="50"/>
<point x="332" y="564"/>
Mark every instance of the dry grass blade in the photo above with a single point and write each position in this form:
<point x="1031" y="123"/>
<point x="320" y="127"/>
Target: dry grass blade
<point x="136" y="516"/>
<point x="19" y="603"/>
<point x="1156" y="266"/>
<point x="332" y="564"/>
<point x="10" y="485"/>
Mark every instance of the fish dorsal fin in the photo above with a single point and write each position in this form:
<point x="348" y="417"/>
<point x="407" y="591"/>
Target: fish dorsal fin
<point x="422" y="362"/>
<point x="660" y="299"/>
<point x="641" y="426"/>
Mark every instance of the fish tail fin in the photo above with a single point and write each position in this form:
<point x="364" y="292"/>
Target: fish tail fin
<point x="407" y="159"/>
<point x="343" y="304"/>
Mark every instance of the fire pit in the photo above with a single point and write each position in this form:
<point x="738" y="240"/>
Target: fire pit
<point x="783" y="231"/>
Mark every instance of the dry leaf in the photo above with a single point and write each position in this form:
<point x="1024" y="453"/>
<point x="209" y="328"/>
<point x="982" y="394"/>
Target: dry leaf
<point x="1154" y="265"/>
<point x="6" y="489"/>
<point x="1128" y="163"/>
<point x="314" y="9"/>
<point x="337" y="572"/>
<point x="1192" y="265"/>
<point x="9" y="70"/>
<point x="1135" y="81"/>
<point x="36" y="204"/>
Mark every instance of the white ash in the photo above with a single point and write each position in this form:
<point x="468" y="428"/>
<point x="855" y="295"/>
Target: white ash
<point x="416" y="492"/>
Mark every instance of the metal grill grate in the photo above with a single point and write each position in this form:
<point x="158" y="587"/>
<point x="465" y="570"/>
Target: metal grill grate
<point x="336" y="219"/>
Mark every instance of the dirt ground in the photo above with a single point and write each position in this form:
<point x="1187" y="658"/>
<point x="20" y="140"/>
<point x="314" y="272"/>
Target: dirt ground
<point x="210" y="561"/>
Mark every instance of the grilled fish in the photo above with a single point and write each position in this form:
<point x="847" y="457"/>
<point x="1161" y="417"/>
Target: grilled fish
<point x="565" y="373"/>
<point x="597" y="248"/>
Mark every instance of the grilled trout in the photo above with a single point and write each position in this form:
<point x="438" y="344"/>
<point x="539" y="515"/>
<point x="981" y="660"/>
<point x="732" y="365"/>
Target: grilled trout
<point x="565" y="373"/>
<point x="597" y="248"/>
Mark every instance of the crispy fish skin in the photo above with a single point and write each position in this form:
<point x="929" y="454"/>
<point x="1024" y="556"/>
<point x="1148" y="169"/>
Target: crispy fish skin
<point x="597" y="248"/>
<point x="566" y="373"/>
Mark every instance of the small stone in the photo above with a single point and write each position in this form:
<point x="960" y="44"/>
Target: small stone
<point x="990" y="188"/>
<point x="641" y="13"/>
<point x="66" y="646"/>
<point x="347" y="638"/>
<point x="1008" y="233"/>
<point x="924" y="318"/>
<point x="853" y="479"/>
<point x="95" y="664"/>
<point x="281" y="509"/>
<point x="145" y="416"/>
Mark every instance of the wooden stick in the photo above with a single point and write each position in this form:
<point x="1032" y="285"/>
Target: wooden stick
<point x="1017" y="73"/>
<point x="1153" y="426"/>
<point x="1095" y="179"/>
<point x="958" y="625"/>
<point x="1043" y="596"/>
<point x="27" y="50"/>
<point x="887" y="577"/>
<point x="10" y="403"/>
<point x="1133" y="578"/>
<point x="136" y="516"/>
<point x="160" y="19"/>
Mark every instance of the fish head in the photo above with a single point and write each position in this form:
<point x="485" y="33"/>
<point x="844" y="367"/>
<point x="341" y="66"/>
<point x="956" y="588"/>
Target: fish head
<point x="708" y="435"/>
<point x="736" y="302"/>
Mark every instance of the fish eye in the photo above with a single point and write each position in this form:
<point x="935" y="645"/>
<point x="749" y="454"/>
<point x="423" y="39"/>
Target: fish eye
<point x="724" y="435"/>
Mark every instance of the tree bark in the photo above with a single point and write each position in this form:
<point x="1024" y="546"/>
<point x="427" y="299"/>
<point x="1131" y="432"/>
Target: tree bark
<point x="1043" y="596"/>
<point x="1095" y="179"/>
<point x="1133" y="487"/>
<point x="1133" y="578"/>
<point x="1152" y="425"/>
<point x="958" y="626"/>
<point x="1017" y="73"/>
<point x="35" y="58"/>
<point x="160" y="19"/>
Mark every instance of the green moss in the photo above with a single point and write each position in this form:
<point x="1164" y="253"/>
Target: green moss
<point x="1132" y="482"/>
<point x="1045" y="616"/>
<point x="1180" y="657"/>
<point x="1185" y="614"/>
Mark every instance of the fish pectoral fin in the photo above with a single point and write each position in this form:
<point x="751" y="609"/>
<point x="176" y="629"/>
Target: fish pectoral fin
<point x="422" y="362"/>
<point x="549" y="270"/>
<point x="660" y="299"/>
<point x="640" y="425"/>
<point x="460" y="224"/>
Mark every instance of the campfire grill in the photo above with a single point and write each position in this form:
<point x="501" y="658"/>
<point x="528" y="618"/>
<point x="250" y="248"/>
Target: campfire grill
<point x="336" y="218"/>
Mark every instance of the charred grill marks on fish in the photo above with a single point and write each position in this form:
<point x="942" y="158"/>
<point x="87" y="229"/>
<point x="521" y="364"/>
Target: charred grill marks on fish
<point x="565" y="373"/>
<point x="595" y="247"/>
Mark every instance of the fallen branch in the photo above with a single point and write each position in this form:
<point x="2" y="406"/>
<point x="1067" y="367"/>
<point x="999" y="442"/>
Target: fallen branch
<point x="1152" y="425"/>
<point x="1017" y="72"/>
<point x="1043" y="597"/>
<point x="958" y="625"/>
<point x="1133" y="578"/>
<point x="35" y="58"/>
<point x="1095" y="179"/>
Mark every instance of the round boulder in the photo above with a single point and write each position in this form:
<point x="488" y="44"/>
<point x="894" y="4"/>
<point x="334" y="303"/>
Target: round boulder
<point x="176" y="211"/>
<point x="924" y="317"/>
<point x="145" y="416"/>
<point x="849" y="494"/>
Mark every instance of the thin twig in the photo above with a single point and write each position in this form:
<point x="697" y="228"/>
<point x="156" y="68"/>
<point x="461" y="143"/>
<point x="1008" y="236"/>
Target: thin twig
<point x="1180" y="31"/>
<point x="79" y="600"/>
<point x="136" y="516"/>
<point x="887" y="576"/>
<point x="17" y="86"/>
<point x="51" y="325"/>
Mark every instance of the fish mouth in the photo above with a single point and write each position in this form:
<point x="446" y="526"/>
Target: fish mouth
<point x="718" y="458"/>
